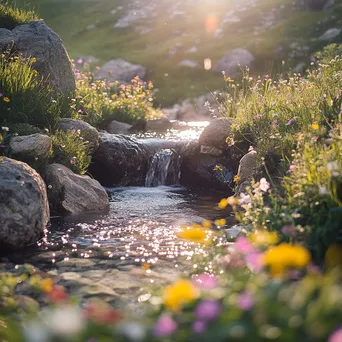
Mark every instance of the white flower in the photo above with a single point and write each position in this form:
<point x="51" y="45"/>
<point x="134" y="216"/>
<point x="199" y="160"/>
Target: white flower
<point x="133" y="331"/>
<point x="5" y="129"/>
<point x="244" y="199"/>
<point x="64" y="321"/>
<point x="323" y="191"/>
<point x="34" y="331"/>
<point x="333" y="166"/>
<point x="264" y="185"/>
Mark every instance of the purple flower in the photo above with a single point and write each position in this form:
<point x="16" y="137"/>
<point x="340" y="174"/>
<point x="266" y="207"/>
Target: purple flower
<point x="1" y="95"/>
<point x="336" y="336"/>
<point x="2" y="146"/>
<point x="165" y="326"/>
<point x="199" y="327"/>
<point x="245" y="301"/>
<point x="205" y="281"/>
<point x="289" y="230"/>
<point x="290" y="122"/>
<point x="207" y="310"/>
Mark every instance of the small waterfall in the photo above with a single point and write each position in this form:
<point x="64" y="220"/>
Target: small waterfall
<point x="164" y="169"/>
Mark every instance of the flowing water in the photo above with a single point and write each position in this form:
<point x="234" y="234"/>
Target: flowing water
<point x="116" y="255"/>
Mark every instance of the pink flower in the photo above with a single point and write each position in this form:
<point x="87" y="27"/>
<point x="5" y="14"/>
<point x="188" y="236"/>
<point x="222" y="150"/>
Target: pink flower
<point x="253" y="261"/>
<point x="336" y="336"/>
<point x="267" y="77"/>
<point x="165" y="326"/>
<point x="243" y="246"/>
<point x="274" y="122"/>
<point x="205" y="281"/>
<point x="258" y="116"/>
<point x="245" y="301"/>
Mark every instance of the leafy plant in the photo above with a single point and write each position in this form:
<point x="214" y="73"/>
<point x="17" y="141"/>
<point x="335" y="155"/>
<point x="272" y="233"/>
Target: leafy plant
<point x="69" y="149"/>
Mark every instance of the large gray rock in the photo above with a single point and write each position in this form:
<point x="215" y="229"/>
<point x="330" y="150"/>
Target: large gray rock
<point x="32" y="146"/>
<point x="248" y="166"/>
<point x="88" y="132"/>
<point x="121" y="70"/>
<point x="216" y="133"/>
<point x="208" y="169"/>
<point x="119" y="160"/>
<point x="330" y="34"/>
<point x="117" y="127"/>
<point x="72" y="193"/>
<point x="36" y="39"/>
<point x="158" y="125"/>
<point x="235" y="59"/>
<point x="24" y="209"/>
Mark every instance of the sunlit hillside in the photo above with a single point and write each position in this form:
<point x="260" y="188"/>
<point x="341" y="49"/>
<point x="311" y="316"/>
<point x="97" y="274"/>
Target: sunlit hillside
<point x="162" y="34"/>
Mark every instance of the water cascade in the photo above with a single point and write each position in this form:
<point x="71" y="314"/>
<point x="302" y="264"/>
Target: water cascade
<point x="164" y="169"/>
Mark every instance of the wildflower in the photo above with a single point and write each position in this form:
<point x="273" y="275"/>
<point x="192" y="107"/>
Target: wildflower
<point x="264" y="185"/>
<point x="206" y="224"/>
<point x="2" y="146"/>
<point x="236" y="179"/>
<point x="73" y="160"/>
<point x="49" y="186"/>
<point x="254" y="261"/>
<point x="65" y="321"/>
<point x="315" y="126"/>
<point x="194" y="234"/>
<point x="57" y="294"/>
<point x="223" y="203"/>
<point x="164" y="327"/>
<point x="245" y="301"/>
<point x="6" y="99"/>
<point x="336" y="336"/>
<point x="275" y="122"/>
<point x="218" y="168"/>
<point x="291" y="121"/>
<point x="289" y="230"/>
<point x="207" y="309"/>
<point x="178" y="294"/>
<point x="244" y="199"/>
<point x="47" y="285"/>
<point x="133" y="331"/>
<point x="5" y="129"/>
<point x="230" y="141"/>
<point x="220" y="222"/>
<point x="205" y="281"/>
<point x="285" y="256"/>
<point x="263" y="238"/>
<point x="243" y="245"/>
<point x="258" y="116"/>
<point x="33" y="60"/>
<point x="199" y="327"/>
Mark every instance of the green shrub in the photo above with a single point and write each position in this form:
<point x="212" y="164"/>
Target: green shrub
<point x="99" y="102"/>
<point x="11" y="16"/>
<point x="24" y="96"/>
<point x="70" y="150"/>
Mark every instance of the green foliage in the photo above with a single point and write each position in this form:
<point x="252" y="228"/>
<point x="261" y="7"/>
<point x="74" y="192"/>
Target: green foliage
<point x="24" y="96"/>
<point x="23" y="129"/>
<point x="100" y="102"/>
<point x="12" y="16"/>
<point x="272" y="114"/>
<point x="69" y="149"/>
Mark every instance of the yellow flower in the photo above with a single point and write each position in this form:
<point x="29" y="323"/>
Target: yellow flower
<point x="206" y="224"/>
<point x="33" y="60"/>
<point x="285" y="256"/>
<point x="218" y="168"/>
<point x="223" y="203"/>
<point x="47" y="285"/>
<point x="6" y="99"/>
<point x="263" y="238"/>
<point x="220" y="222"/>
<point x="236" y="179"/>
<point x="315" y="126"/>
<point x="195" y="234"/>
<point x="180" y="293"/>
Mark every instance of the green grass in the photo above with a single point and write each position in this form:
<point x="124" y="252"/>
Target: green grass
<point x="12" y="16"/>
<point x="152" y="49"/>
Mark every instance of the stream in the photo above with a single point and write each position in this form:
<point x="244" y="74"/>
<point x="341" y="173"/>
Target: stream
<point x="117" y="255"/>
